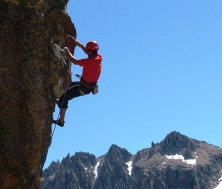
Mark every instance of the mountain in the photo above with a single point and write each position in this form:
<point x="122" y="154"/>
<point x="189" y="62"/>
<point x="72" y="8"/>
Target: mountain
<point x="177" y="162"/>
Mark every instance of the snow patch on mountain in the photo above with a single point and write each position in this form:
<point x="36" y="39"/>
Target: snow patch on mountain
<point x="95" y="171"/>
<point x="188" y="161"/>
<point x="129" y="163"/>
<point x="219" y="186"/>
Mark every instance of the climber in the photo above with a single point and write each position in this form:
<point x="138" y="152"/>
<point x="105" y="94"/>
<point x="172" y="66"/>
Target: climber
<point x="88" y="82"/>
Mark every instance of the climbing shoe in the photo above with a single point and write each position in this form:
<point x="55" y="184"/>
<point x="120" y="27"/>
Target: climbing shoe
<point x="61" y="124"/>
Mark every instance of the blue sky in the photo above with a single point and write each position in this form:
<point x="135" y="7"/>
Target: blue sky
<point x="161" y="73"/>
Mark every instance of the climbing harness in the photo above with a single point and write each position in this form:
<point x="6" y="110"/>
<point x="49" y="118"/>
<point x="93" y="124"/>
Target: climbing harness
<point x="94" y="86"/>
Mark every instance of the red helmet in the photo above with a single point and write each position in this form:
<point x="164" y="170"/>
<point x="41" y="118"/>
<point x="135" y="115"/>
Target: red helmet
<point x="92" y="45"/>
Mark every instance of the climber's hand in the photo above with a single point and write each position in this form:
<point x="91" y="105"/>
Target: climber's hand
<point x="71" y="57"/>
<point x="71" y="37"/>
<point x="78" y="43"/>
<point x="66" y="49"/>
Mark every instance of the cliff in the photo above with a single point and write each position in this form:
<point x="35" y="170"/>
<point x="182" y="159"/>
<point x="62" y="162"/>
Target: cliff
<point x="177" y="162"/>
<point x="34" y="72"/>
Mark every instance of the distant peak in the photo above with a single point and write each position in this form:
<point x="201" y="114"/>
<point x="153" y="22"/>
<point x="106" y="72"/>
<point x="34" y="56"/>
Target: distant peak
<point x="176" y="136"/>
<point x="114" y="147"/>
<point x="175" y="142"/>
<point x="118" y="152"/>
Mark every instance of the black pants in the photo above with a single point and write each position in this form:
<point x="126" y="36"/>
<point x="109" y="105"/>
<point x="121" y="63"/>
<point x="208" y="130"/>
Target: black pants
<point x="73" y="92"/>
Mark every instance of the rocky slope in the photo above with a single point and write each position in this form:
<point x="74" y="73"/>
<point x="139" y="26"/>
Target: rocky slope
<point x="177" y="162"/>
<point x="34" y="73"/>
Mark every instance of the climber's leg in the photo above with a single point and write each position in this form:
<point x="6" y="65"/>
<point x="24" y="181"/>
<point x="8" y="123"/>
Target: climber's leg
<point x="62" y="115"/>
<point x="71" y="93"/>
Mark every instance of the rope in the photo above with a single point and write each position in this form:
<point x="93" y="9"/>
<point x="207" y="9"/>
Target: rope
<point x="60" y="110"/>
<point x="45" y="153"/>
<point x="63" y="59"/>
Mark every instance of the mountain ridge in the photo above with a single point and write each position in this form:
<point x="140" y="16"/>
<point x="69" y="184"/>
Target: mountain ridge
<point x="177" y="162"/>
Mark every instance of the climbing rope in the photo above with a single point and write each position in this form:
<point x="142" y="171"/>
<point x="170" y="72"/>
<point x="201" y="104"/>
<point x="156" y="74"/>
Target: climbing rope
<point x="64" y="59"/>
<point x="61" y="106"/>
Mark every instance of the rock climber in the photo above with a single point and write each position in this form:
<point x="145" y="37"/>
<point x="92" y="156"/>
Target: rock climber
<point x="88" y="82"/>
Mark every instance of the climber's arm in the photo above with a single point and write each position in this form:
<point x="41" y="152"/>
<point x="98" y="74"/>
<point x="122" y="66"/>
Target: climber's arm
<point x="78" y="43"/>
<point x="71" y="57"/>
<point x="81" y="46"/>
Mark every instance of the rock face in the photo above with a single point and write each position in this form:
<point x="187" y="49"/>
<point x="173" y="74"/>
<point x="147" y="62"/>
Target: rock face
<point x="34" y="72"/>
<point x="151" y="168"/>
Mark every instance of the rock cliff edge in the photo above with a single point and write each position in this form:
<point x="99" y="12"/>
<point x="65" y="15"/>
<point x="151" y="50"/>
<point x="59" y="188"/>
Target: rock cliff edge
<point x="33" y="74"/>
